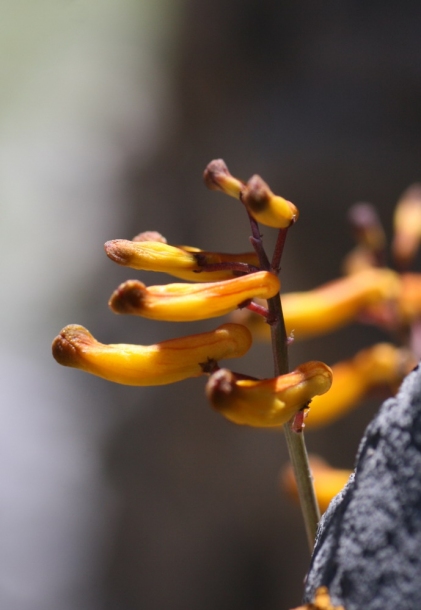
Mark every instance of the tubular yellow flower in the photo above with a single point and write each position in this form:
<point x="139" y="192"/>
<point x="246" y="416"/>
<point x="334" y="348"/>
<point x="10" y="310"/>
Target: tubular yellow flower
<point x="217" y="177"/>
<point x="382" y="364"/>
<point x="267" y="208"/>
<point x="337" y="303"/>
<point x="158" y="364"/>
<point x="189" y="302"/>
<point x="407" y="225"/>
<point x="268" y="402"/>
<point x="182" y="261"/>
<point x="328" y="481"/>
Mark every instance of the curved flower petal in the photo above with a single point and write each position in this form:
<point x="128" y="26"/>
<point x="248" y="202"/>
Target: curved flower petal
<point x="188" y="302"/>
<point x="380" y="365"/>
<point x="183" y="262"/>
<point x="338" y="303"/>
<point x="332" y="305"/>
<point x="267" y="208"/>
<point x="158" y="364"/>
<point x="268" y="402"/>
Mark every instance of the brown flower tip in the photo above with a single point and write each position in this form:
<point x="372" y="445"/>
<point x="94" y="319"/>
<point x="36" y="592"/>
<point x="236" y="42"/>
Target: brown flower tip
<point x="117" y="251"/>
<point x="150" y="236"/>
<point x="220" y="385"/>
<point x="257" y="194"/>
<point x="213" y="173"/>
<point x="366" y="226"/>
<point x="69" y="343"/>
<point x="128" y="297"/>
<point x="266" y="207"/>
<point x="217" y="177"/>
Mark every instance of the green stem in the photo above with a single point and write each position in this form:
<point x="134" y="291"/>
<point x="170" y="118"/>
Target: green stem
<point x="295" y="440"/>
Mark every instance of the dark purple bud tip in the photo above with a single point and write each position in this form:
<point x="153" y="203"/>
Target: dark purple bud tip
<point x="257" y="194"/>
<point x="363" y="215"/>
<point x="128" y="297"/>
<point x="213" y="172"/>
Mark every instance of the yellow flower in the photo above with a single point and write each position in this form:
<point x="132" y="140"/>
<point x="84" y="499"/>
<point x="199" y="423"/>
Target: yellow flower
<point x="263" y="205"/>
<point x="379" y="365"/>
<point x="337" y="303"/>
<point x="331" y="305"/>
<point x="157" y="364"/>
<point x="188" y="302"/>
<point x="267" y="208"/>
<point x="267" y="402"/>
<point x="328" y="481"/>
<point x="218" y="178"/>
<point x="183" y="262"/>
<point x="407" y="225"/>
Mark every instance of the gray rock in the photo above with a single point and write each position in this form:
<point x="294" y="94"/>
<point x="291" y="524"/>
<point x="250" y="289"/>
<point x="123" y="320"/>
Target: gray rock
<point x="368" y="547"/>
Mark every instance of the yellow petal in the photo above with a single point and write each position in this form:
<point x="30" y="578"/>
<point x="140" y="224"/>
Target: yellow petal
<point x="218" y="178"/>
<point x="338" y="303"/>
<point x="184" y="262"/>
<point x="382" y="364"/>
<point x="189" y="302"/>
<point x="158" y="364"/>
<point x="407" y="226"/>
<point x="410" y="297"/>
<point x="268" y="402"/>
<point x="267" y="208"/>
<point x="335" y="304"/>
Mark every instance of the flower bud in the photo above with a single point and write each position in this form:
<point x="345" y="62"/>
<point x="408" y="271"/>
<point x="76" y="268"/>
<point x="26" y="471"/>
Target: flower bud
<point x="183" y="262"/>
<point x="268" y="402"/>
<point x="380" y="365"/>
<point x="407" y="226"/>
<point x="189" y="302"/>
<point x="218" y="178"/>
<point x="267" y="208"/>
<point x="366" y="226"/>
<point x="158" y="364"/>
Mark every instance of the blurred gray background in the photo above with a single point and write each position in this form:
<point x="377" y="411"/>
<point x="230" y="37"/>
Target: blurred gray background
<point x="118" y="498"/>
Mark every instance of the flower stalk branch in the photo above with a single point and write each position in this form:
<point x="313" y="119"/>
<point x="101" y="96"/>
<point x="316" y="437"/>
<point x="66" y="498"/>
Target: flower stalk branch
<point x="295" y="440"/>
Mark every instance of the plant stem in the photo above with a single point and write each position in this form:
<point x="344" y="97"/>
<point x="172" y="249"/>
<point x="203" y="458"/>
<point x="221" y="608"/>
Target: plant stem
<point x="295" y="440"/>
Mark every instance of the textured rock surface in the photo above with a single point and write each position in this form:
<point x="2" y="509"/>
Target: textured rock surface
<point x="368" y="548"/>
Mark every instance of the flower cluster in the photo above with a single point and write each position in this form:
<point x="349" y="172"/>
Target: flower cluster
<point x="215" y="284"/>
<point x="369" y="292"/>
